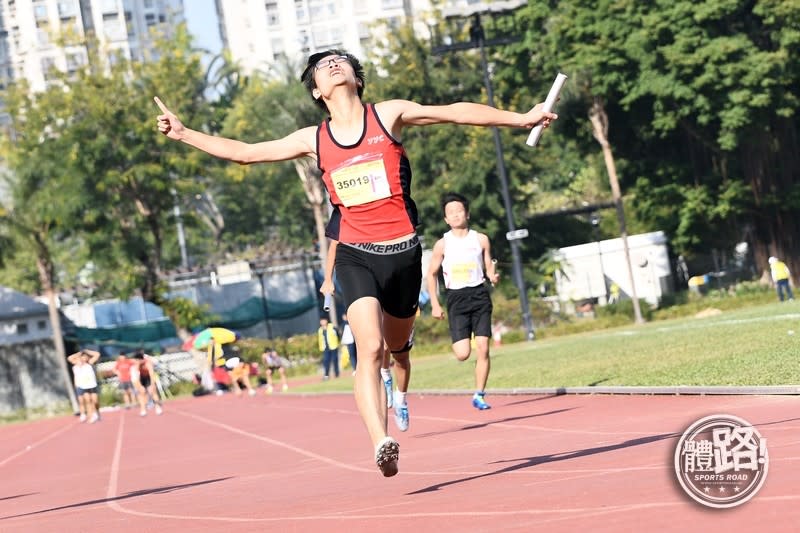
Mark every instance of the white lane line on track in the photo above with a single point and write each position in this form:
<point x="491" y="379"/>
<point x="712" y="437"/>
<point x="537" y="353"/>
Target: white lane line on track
<point x="562" y="513"/>
<point x="113" y="478"/>
<point x="448" y="473"/>
<point x="36" y="444"/>
<point x="280" y="444"/>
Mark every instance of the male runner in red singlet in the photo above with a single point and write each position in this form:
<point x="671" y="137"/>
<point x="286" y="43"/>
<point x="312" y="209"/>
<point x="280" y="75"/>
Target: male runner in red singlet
<point x="368" y="177"/>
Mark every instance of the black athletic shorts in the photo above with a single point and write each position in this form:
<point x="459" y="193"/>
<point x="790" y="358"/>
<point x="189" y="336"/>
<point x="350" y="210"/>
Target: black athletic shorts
<point x="469" y="310"/>
<point x="391" y="273"/>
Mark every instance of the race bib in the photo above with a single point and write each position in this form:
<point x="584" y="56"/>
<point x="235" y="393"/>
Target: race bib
<point x="361" y="180"/>
<point x="462" y="272"/>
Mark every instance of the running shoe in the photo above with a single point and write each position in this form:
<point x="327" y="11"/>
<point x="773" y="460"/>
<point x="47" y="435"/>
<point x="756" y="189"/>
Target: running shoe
<point x="401" y="417"/>
<point x="269" y="389"/>
<point x="285" y="387"/>
<point x="479" y="403"/>
<point x="159" y="410"/>
<point x="94" y="418"/>
<point x="83" y="417"/>
<point x="388" y="384"/>
<point x="387" y="454"/>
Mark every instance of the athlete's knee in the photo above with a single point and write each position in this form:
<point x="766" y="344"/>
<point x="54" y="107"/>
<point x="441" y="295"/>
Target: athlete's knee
<point x="370" y="349"/>
<point x="462" y="353"/>
<point x="403" y="350"/>
<point x="402" y="359"/>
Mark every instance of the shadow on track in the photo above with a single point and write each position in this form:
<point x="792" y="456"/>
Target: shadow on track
<point x="134" y="494"/>
<point x="528" y="462"/>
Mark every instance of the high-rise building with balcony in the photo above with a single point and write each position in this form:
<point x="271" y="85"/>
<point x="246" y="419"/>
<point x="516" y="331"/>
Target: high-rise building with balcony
<point x="258" y="32"/>
<point x="31" y="31"/>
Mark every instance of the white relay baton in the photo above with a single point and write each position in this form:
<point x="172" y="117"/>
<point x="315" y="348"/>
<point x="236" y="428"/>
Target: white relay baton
<point x="327" y="303"/>
<point x="549" y="103"/>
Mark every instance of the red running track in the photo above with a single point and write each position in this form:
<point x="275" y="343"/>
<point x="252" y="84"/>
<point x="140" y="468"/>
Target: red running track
<point x="303" y="463"/>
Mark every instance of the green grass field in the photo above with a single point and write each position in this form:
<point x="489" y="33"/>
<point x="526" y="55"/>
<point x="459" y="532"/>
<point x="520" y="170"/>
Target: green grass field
<point x="757" y="345"/>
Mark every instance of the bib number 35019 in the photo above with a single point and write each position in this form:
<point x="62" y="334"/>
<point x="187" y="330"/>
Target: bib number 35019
<point x="360" y="182"/>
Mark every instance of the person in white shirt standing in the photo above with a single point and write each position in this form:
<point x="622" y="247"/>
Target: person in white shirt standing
<point x="86" y="383"/>
<point x="465" y="259"/>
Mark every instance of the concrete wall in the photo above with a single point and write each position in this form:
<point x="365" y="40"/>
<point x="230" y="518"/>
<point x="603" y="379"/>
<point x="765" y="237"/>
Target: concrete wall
<point x="30" y="377"/>
<point x="37" y="327"/>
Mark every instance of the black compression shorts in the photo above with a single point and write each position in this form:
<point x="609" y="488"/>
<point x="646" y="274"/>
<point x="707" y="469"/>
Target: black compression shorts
<point x="391" y="273"/>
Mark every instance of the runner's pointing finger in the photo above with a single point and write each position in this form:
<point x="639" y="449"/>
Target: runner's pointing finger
<point x="161" y="105"/>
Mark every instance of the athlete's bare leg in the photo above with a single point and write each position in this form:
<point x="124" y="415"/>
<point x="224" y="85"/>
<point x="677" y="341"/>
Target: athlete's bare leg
<point x="365" y="317"/>
<point x="482" y="362"/>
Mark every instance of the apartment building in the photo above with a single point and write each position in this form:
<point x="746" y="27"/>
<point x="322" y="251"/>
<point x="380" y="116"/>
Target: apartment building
<point x="259" y="32"/>
<point x="30" y="32"/>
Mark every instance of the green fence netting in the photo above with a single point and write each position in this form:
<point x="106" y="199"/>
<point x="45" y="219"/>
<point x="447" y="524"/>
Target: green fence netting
<point x="247" y="314"/>
<point x="252" y="311"/>
<point x="139" y="333"/>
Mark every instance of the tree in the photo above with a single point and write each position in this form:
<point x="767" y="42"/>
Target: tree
<point x="127" y="178"/>
<point x="258" y="203"/>
<point x="43" y="195"/>
<point x="683" y="83"/>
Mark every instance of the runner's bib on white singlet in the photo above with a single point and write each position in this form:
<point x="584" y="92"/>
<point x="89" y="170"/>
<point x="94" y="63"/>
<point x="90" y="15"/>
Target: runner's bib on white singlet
<point x="361" y="180"/>
<point x="462" y="265"/>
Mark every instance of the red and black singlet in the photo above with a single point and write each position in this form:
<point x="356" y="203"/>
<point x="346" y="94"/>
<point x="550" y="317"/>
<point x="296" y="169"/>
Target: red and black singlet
<point x="369" y="184"/>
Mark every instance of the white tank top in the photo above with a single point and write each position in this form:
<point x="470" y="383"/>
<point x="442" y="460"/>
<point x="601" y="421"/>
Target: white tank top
<point x="84" y="376"/>
<point x="462" y="265"/>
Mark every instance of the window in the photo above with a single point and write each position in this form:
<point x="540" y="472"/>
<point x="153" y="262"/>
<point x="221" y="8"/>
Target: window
<point x="273" y="16"/>
<point x="150" y="19"/>
<point x="74" y="61"/>
<point x="40" y="11"/>
<point x="66" y="9"/>
<point x="15" y="36"/>
<point x="109" y="6"/>
<point x="22" y="328"/>
<point x="43" y="37"/>
<point x="70" y="24"/>
<point x="41" y="324"/>
<point x="129" y="24"/>
<point x="330" y="36"/>
<point x="305" y="42"/>
<point x="300" y="11"/>
<point x="113" y="27"/>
